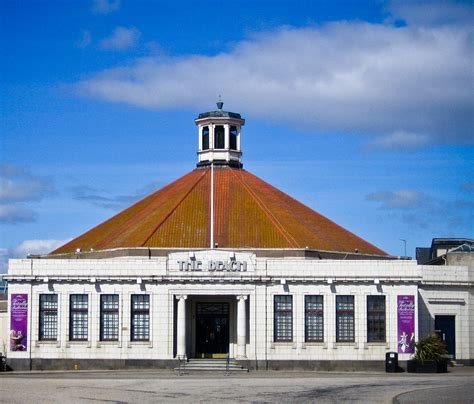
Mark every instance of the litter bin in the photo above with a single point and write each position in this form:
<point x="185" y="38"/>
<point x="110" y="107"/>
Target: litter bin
<point x="391" y="362"/>
<point x="3" y="363"/>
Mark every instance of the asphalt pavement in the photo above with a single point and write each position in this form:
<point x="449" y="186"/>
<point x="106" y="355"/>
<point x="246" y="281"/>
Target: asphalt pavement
<point x="255" y="387"/>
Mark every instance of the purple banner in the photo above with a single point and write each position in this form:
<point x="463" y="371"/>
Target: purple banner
<point x="406" y="323"/>
<point x="18" y="322"/>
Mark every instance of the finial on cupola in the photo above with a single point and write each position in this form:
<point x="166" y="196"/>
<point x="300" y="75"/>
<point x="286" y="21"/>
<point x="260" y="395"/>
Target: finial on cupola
<point x="220" y="104"/>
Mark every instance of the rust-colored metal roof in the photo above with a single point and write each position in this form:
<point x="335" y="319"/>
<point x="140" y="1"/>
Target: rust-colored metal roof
<point x="248" y="213"/>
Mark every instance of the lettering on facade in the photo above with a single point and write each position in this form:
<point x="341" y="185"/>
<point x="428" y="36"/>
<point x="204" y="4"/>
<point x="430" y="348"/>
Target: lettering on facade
<point x="212" y="265"/>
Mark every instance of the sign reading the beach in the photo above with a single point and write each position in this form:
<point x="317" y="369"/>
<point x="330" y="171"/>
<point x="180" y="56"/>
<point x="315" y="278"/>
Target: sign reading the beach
<point x="18" y="322"/>
<point x="406" y="323"/>
<point x="213" y="265"/>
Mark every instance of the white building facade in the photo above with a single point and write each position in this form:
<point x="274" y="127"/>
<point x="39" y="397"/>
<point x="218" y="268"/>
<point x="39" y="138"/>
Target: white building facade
<point x="268" y="313"/>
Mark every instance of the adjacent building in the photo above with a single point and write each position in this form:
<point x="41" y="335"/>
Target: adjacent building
<point x="220" y="263"/>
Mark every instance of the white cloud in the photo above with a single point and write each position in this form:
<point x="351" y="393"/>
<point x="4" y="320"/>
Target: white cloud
<point x="105" y="6"/>
<point x="350" y="76"/>
<point x="431" y="12"/>
<point x="36" y="247"/>
<point x="400" y="140"/>
<point x="122" y="38"/>
<point x="26" y="189"/>
<point x="26" y="247"/>
<point x="403" y="199"/>
<point x="17" y="187"/>
<point x="85" y="40"/>
<point x="11" y="214"/>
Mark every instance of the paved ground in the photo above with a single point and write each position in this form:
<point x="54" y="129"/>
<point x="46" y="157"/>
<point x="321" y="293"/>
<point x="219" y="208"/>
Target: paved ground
<point x="257" y="387"/>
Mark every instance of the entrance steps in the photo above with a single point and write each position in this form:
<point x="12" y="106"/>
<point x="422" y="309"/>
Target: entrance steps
<point x="211" y="365"/>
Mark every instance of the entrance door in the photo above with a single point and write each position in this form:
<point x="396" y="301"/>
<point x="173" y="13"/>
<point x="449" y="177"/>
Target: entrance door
<point x="212" y="329"/>
<point x="445" y="328"/>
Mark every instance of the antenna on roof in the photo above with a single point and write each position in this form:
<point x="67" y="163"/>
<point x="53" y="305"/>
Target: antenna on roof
<point x="219" y="103"/>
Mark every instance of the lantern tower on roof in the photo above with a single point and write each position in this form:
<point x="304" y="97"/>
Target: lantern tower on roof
<point x="219" y="138"/>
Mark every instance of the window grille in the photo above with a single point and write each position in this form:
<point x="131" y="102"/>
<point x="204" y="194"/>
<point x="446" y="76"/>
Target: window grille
<point x="283" y="318"/>
<point x="375" y="318"/>
<point x="48" y="317"/>
<point x="345" y="319"/>
<point x="314" y="319"/>
<point x="109" y="317"/>
<point x="78" y="317"/>
<point x="140" y="318"/>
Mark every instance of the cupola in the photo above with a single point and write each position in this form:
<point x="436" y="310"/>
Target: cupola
<point x="219" y="138"/>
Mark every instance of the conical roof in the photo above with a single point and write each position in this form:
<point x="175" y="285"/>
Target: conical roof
<point x="248" y="213"/>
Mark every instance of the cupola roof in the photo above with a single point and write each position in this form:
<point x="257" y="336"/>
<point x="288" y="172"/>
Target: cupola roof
<point x="219" y="113"/>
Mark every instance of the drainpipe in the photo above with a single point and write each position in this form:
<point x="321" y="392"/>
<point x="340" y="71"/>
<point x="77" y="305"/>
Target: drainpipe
<point x="212" y="206"/>
<point x="266" y="318"/>
<point x="30" y="318"/>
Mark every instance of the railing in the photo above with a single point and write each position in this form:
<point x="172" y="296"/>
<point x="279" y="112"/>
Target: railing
<point x="182" y="359"/>
<point x="227" y="365"/>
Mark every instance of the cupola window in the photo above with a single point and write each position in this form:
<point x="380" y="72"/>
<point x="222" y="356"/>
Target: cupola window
<point x="219" y="142"/>
<point x="233" y="138"/>
<point x="205" y="138"/>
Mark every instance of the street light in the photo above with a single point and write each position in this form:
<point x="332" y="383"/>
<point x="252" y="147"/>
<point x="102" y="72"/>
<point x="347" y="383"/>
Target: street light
<point x="405" y="243"/>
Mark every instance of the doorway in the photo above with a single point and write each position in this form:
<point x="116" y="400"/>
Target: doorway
<point x="212" y="329"/>
<point x="445" y="327"/>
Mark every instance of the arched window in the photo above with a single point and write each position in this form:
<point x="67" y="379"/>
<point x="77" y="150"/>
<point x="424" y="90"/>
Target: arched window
<point x="205" y="138"/>
<point x="233" y="138"/>
<point x="219" y="142"/>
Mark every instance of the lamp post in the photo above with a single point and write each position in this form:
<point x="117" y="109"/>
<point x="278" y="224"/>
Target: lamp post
<point x="405" y="243"/>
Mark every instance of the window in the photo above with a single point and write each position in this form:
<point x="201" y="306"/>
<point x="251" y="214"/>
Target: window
<point x="375" y="318"/>
<point x="109" y="317"/>
<point x="345" y="319"/>
<point x="219" y="142"/>
<point x="314" y="319"/>
<point x="78" y="317"/>
<point x="205" y="138"/>
<point x="233" y="138"/>
<point x="283" y="319"/>
<point x="140" y="319"/>
<point x="48" y="317"/>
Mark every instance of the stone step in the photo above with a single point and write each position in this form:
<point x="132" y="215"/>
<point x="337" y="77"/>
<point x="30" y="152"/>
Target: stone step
<point x="211" y="365"/>
<point x="210" y="369"/>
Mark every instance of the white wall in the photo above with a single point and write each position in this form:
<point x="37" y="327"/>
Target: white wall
<point x="162" y="279"/>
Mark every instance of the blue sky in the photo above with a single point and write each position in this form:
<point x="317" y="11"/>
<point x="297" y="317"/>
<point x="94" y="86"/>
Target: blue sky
<point x="361" y="110"/>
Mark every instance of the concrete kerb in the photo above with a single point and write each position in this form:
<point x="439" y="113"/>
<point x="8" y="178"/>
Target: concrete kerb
<point x="167" y="373"/>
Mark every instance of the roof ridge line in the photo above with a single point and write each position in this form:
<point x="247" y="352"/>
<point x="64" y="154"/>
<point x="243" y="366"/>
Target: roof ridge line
<point x="269" y="214"/>
<point x="174" y="208"/>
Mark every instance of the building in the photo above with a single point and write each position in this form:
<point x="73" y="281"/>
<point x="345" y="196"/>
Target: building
<point x="220" y="263"/>
<point x="446" y="251"/>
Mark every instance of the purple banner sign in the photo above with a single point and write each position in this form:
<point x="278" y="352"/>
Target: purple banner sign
<point x="18" y="322"/>
<point x="406" y="323"/>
